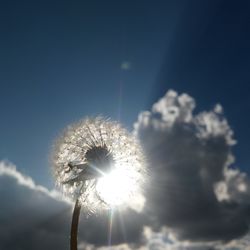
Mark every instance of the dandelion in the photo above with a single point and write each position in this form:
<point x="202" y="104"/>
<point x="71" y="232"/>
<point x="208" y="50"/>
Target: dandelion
<point x="98" y="164"/>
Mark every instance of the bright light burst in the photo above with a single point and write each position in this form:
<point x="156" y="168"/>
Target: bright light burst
<point x="99" y="163"/>
<point x="116" y="187"/>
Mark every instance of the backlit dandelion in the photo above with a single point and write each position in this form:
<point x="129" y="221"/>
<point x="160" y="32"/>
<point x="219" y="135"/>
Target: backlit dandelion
<point x="99" y="164"/>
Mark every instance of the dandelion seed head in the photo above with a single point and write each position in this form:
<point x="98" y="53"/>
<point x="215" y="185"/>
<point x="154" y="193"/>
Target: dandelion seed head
<point x="98" y="162"/>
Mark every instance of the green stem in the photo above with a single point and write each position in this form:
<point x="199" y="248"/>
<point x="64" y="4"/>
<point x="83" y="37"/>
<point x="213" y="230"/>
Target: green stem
<point x="74" y="225"/>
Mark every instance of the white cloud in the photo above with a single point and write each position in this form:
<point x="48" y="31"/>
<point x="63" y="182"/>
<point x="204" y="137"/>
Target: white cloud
<point x="234" y="187"/>
<point x="8" y="169"/>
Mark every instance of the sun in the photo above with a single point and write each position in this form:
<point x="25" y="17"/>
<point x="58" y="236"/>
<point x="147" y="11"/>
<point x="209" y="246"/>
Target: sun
<point x="116" y="187"/>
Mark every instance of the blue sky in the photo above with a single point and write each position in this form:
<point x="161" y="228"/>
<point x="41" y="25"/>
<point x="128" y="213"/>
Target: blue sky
<point x="61" y="61"/>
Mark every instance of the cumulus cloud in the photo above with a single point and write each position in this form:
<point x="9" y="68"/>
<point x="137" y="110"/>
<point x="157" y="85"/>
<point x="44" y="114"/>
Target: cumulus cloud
<point x="193" y="190"/>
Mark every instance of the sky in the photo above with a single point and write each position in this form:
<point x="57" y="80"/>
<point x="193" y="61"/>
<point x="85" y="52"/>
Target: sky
<point x="61" y="61"/>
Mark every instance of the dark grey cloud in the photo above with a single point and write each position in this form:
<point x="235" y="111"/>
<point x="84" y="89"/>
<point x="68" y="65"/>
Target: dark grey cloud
<point x="192" y="189"/>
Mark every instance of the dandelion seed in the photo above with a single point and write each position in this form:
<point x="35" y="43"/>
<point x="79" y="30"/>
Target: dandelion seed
<point x="99" y="164"/>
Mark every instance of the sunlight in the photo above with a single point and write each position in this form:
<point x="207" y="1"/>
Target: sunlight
<point x="116" y="188"/>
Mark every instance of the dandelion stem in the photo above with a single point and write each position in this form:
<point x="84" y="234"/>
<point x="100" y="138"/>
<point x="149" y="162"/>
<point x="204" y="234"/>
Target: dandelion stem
<point x="74" y="225"/>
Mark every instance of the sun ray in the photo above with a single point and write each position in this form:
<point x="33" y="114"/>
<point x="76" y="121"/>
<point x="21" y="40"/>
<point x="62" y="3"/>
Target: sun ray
<point x="111" y="214"/>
